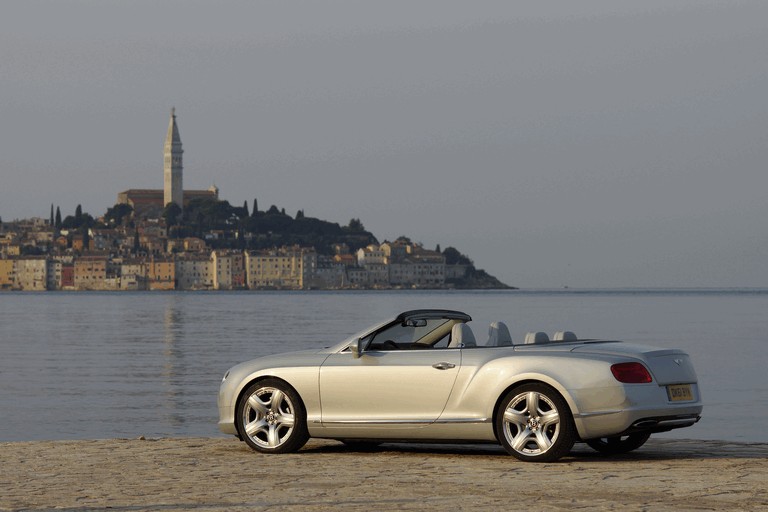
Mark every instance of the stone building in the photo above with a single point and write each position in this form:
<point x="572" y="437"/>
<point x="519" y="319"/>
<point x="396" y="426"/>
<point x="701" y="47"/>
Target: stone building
<point x="91" y="273"/>
<point x="152" y="202"/>
<point x="194" y="271"/>
<point x="287" y="268"/>
<point x="31" y="273"/>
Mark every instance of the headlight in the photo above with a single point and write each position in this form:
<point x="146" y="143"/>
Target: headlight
<point x="225" y="376"/>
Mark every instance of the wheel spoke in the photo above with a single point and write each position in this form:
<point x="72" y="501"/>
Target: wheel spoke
<point x="255" y="427"/>
<point x="532" y="403"/>
<point x="521" y="439"/>
<point x="515" y="417"/>
<point x="257" y="405"/>
<point x="285" y="420"/>
<point x="543" y="441"/>
<point x="272" y="436"/>
<point x="276" y="401"/>
<point x="549" y="418"/>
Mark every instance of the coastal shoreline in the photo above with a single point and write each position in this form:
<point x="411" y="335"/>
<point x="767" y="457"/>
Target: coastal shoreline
<point x="221" y="473"/>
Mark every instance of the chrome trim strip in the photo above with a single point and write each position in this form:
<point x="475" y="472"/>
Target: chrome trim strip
<point x="403" y="422"/>
<point x="599" y="413"/>
<point x="466" y="420"/>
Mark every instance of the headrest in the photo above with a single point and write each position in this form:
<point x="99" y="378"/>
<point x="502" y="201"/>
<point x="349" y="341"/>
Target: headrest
<point x="461" y="336"/>
<point x="498" y="335"/>
<point x="564" y="336"/>
<point x="536" y="337"/>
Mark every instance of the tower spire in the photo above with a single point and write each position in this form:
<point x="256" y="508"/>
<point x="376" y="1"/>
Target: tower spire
<point x="173" y="190"/>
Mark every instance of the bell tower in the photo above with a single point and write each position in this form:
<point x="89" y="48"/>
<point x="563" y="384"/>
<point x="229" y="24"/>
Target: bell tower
<point x="173" y="190"/>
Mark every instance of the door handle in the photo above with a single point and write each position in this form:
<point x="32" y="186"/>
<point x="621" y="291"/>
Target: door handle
<point x="443" y="366"/>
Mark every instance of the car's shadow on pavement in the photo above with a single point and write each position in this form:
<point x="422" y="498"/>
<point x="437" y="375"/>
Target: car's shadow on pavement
<point x="654" y="449"/>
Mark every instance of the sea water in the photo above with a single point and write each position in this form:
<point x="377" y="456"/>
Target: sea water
<point x="82" y="365"/>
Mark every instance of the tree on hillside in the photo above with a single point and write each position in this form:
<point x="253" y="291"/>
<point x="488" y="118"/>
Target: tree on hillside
<point x="355" y="226"/>
<point x="255" y="207"/>
<point x="172" y="214"/>
<point x="57" y="222"/>
<point x="117" y="214"/>
<point x="51" y="218"/>
<point x="79" y="220"/>
<point x="245" y="209"/>
<point x="454" y="257"/>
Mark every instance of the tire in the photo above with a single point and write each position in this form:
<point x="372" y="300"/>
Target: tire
<point x="534" y="424"/>
<point x="271" y="417"/>
<point x="618" y="444"/>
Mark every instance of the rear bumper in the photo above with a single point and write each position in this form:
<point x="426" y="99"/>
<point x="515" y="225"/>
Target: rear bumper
<point x="633" y="408"/>
<point x="628" y="421"/>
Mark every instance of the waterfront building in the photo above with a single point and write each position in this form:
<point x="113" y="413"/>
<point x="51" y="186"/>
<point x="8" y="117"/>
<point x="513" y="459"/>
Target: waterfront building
<point x="410" y="265"/>
<point x="287" y="267"/>
<point x="417" y="273"/>
<point x="229" y="269"/>
<point x="358" y="277"/>
<point x="91" y="273"/>
<point x="7" y="267"/>
<point x="329" y="273"/>
<point x="371" y="255"/>
<point x="162" y="274"/>
<point x="54" y="274"/>
<point x="194" y="271"/>
<point x="68" y="276"/>
<point x="31" y="273"/>
<point x="133" y="275"/>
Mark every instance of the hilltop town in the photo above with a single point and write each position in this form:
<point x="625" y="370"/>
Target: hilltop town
<point x="177" y="239"/>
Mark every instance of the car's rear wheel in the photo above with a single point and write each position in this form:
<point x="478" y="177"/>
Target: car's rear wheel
<point x="619" y="444"/>
<point x="534" y="423"/>
<point x="271" y="417"/>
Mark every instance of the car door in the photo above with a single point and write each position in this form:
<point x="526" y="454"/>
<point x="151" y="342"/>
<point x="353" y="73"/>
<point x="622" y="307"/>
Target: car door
<point x="407" y="387"/>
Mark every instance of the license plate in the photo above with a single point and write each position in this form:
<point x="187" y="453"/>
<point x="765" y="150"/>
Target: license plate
<point x="680" y="393"/>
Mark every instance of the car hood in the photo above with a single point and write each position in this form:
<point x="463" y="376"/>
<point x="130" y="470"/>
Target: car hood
<point x="309" y="357"/>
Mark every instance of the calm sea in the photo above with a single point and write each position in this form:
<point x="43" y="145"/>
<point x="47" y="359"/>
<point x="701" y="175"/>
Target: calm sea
<point x="104" y="365"/>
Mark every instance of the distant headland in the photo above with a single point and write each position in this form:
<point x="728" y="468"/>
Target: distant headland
<point x="176" y="239"/>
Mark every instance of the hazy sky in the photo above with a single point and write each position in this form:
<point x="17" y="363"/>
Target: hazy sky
<point x="581" y="144"/>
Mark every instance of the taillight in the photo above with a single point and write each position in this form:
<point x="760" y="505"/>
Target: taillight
<point x="631" y="373"/>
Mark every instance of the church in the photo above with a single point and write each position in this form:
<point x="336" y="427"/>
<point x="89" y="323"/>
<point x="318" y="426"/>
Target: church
<point x="152" y="202"/>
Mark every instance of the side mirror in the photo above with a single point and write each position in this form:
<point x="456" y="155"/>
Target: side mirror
<point x="356" y="348"/>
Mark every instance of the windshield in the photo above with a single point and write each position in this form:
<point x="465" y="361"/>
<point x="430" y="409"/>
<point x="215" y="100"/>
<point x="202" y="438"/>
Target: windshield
<point x="425" y="333"/>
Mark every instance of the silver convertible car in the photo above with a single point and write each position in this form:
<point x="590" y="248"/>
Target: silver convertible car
<point x="424" y="377"/>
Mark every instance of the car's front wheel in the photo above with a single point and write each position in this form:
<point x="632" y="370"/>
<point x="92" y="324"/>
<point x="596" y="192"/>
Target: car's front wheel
<point x="534" y="423"/>
<point x="618" y="444"/>
<point x="271" y="417"/>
